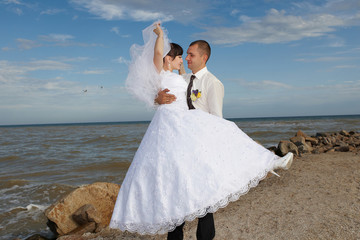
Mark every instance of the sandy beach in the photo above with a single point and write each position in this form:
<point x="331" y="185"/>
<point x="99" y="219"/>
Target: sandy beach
<point x="318" y="198"/>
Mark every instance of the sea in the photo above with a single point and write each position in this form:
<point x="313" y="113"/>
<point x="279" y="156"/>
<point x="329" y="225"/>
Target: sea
<point x="40" y="164"/>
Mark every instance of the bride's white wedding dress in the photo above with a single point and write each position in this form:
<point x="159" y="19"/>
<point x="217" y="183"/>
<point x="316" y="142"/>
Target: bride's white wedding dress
<point x="189" y="163"/>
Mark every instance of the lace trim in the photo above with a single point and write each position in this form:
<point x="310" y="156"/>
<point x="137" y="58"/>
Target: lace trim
<point x="169" y="226"/>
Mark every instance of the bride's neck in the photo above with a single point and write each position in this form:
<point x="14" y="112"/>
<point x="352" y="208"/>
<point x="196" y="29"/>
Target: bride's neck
<point x="167" y="68"/>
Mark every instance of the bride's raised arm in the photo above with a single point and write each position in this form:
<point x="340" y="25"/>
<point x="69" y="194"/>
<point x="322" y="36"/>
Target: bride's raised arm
<point x="159" y="48"/>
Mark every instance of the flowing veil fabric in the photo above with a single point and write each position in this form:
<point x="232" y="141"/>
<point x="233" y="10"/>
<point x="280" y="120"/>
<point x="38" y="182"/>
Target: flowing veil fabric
<point x="143" y="80"/>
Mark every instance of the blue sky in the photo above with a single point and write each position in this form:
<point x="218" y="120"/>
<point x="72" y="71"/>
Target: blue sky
<point x="66" y="61"/>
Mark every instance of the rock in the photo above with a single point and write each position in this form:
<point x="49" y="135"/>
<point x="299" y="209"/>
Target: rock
<point x="313" y="141"/>
<point x="102" y="196"/>
<point x="74" y="237"/>
<point x="326" y="141"/>
<point x="339" y="143"/>
<point x="86" y="214"/>
<point x="330" y="150"/>
<point x="320" y="150"/>
<point x="342" y="149"/>
<point x="304" y="148"/>
<point x="286" y="146"/>
<point x="322" y="135"/>
<point x="272" y="148"/>
<point x="301" y="134"/>
<point x="344" y="133"/>
<point x="301" y="144"/>
<point x="36" y="237"/>
<point x="88" y="227"/>
<point x="298" y="140"/>
<point x="315" y="151"/>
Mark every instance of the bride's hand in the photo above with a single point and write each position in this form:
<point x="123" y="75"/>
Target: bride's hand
<point x="158" y="31"/>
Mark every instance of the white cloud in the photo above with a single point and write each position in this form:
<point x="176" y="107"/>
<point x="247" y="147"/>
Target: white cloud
<point x="115" y="30"/>
<point x="112" y="10"/>
<point x="265" y="84"/>
<point x="61" y="40"/>
<point x="122" y="60"/>
<point x="27" y="44"/>
<point x="234" y="12"/>
<point x="93" y="72"/>
<point x="51" y="11"/>
<point x="143" y="10"/>
<point x="14" y="6"/>
<point x="36" y="65"/>
<point x="324" y="59"/>
<point x="11" y="2"/>
<point x="10" y="72"/>
<point x="346" y="66"/>
<point x="57" y="37"/>
<point x="18" y="11"/>
<point x="275" y="27"/>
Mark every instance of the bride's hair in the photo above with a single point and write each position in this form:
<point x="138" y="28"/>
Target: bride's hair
<point x="176" y="50"/>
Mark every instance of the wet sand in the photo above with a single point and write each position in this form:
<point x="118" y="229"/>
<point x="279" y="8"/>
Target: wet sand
<point x="318" y="198"/>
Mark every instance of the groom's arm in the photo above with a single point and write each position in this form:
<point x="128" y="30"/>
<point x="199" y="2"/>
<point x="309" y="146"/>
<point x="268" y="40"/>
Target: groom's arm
<point x="163" y="97"/>
<point x="215" y="98"/>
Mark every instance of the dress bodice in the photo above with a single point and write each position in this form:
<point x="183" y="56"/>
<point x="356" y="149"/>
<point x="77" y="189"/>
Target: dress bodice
<point x="177" y="86"/>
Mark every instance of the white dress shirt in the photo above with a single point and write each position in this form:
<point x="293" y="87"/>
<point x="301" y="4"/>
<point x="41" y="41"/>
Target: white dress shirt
<point x="212" y="92"/>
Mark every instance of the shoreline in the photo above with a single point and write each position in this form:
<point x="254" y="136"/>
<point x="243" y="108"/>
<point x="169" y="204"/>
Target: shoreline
<point x="323" y="181"/>
<point x="317" y="198"/>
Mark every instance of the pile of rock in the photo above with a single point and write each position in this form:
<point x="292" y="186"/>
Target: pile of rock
<point x="342" y="141"/>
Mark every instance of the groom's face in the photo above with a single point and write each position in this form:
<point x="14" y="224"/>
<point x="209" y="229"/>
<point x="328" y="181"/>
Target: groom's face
<point x="195" y="59"/>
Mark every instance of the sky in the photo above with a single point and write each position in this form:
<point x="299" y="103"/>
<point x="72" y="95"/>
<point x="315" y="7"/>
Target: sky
<point x="65" y="61"/>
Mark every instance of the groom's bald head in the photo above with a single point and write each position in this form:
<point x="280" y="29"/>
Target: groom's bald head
<point x="203" y="47"/>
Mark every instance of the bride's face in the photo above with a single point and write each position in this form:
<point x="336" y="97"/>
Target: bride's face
<point x="176" y="63"/>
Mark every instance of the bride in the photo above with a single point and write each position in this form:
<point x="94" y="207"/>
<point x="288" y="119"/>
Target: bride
<point x="189" y="162"/>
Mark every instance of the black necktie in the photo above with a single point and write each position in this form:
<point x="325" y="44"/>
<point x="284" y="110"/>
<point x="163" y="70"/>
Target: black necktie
<point x="188" y="93"/>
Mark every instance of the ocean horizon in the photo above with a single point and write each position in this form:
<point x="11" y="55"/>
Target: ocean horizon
<point x="148" y="121"/>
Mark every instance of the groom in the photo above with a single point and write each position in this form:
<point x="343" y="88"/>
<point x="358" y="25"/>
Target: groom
<point x="209" y="100"/>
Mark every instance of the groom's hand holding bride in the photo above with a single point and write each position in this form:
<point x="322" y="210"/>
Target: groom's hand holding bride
<point x="164" y="97"/>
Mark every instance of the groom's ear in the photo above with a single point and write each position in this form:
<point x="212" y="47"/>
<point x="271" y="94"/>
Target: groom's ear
<point x="205" y="57"/>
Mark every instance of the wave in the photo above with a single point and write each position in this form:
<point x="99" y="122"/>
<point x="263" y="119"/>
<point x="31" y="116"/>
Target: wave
<point x="9" y="158"/>
<point x="31" y="207"/>
<point x="107" y="166"/>
<point x="12" y="184"/>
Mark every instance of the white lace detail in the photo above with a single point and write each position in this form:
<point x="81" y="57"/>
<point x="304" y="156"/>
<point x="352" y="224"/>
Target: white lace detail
<point x="168" y="226"/>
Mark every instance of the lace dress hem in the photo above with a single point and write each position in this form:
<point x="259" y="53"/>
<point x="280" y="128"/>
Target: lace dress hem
<point x="169" y="226"/>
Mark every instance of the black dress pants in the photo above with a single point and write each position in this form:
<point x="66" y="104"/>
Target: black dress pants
<point x="205" y="229"/>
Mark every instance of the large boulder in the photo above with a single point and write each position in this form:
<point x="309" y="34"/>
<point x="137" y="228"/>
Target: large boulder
<point x="97" y="200"/>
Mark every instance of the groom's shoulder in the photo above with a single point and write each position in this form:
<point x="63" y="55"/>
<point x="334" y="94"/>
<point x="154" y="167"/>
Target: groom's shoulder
<point x="212" y="77"/>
